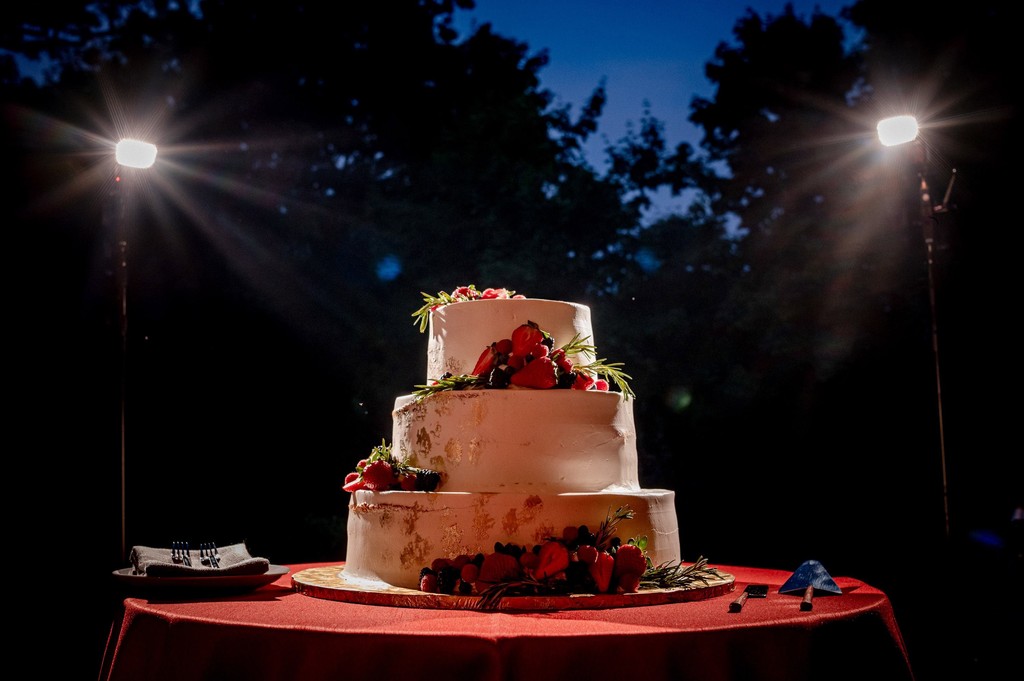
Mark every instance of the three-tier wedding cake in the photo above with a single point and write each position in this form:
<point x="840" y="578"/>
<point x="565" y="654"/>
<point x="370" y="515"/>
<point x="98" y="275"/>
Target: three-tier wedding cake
<point x="518" y="433"/>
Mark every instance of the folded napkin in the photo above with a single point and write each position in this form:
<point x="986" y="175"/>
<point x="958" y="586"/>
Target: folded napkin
<point x="233" y="559"/>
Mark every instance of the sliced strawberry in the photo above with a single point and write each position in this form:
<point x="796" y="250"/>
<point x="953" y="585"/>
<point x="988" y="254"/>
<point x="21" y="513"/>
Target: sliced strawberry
<point x="552" y="559"/>
<point x="504" y="346"/>
<point x="352" y="482"/>
<point x="540" y="373"/>
<point x="601" y="570"/>
<point x="486" y="361"/>
<point x="601" y="384"/>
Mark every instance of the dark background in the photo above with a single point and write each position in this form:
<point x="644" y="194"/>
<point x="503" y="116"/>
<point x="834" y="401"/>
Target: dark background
<point x="786" y="378"/>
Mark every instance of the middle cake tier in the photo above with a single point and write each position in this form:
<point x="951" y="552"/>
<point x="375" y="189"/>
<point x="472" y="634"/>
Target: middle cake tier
<point x="533" y="441"/>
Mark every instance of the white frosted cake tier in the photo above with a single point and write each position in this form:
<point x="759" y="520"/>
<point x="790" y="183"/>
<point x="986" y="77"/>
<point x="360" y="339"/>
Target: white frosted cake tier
<point x="459" y="332"/>
<point x="393" y="535"/>
<point x="520" y="440"/>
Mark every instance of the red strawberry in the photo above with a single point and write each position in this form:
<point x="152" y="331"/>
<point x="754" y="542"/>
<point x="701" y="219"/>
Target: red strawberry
<point x="352" y="482"/>
<point x="601" y="570"/>
<point x="629" y="560"/>
<point x="428" y="583"/>
<point x="469" y="572"/>
<point x="486" y="361"/>
<point x="540" y="373"/>
<point x="407" y="481"/>
<point x="524" y="337"/>
<point x="504" y="346"/>
<point x="498" y="567"/>
<point x="587" y="554"/>
<point x="601" y="384"/>
<point x="529" y="560"/>
<point x="552" y="559"/>
<point x="378" y="475"/>
<point x="561" y="360"/>
<point x="583" y="381"/>
<point x="539" y="350"/>
<point x="629" y="584"/>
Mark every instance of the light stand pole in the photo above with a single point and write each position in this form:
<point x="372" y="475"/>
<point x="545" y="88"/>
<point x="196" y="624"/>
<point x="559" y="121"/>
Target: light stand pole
<point x="132" y="155"/>
<point x="901" y="130"/>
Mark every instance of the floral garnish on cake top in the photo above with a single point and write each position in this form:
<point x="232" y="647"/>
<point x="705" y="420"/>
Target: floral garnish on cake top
<point x="381" y="471"/>
<point x="578" y="562"/>
<point x="528" y="358"/>
<point x="458" y="295"/>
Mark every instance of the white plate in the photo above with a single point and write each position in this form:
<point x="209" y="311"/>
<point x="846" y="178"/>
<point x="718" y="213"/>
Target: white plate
<point x="223" y="582"/>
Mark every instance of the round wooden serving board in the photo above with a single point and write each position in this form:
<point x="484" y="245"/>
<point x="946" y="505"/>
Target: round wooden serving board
<point x="329" y="583"/>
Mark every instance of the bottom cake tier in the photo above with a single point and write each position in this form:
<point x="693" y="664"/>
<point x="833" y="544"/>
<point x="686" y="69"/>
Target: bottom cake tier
<point x="392" y="535"/>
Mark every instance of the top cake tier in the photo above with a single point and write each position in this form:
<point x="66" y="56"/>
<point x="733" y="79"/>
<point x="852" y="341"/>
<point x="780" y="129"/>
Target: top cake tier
<point x="459" y="332"/>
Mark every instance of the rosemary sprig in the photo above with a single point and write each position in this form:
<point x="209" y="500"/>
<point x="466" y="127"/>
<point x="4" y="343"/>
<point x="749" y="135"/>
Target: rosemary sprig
<point x="609" y="526"/>
<point x="676" y="575"/>
<point x="611" y="371"/>
<point x="578" y="345"/>
<point x="422" y="316"/>
<point x="459" y="382"/>
<point x="490" y="598"/>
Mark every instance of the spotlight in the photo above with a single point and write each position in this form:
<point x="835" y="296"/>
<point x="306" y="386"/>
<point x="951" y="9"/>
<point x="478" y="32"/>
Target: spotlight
<point x="897" y="130"/>
<point x="902" y="130"/>
<point x="135" y="154"/>
<point x="129" y="153"/>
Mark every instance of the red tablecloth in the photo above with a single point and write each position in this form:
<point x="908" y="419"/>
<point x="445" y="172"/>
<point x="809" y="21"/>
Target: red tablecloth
<point x="277" y="633"/>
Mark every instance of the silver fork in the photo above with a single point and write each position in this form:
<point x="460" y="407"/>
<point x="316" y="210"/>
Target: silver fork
<point x="208" y="551"/>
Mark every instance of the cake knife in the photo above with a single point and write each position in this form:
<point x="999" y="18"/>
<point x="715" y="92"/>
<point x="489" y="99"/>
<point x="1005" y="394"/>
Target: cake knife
<point x="752" y="591"/>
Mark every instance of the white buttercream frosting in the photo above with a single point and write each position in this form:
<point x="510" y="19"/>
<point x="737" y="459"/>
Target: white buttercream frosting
<point x="460" y="332"/>
<point x="392" y="535"/>
<point x="507" y="440"/>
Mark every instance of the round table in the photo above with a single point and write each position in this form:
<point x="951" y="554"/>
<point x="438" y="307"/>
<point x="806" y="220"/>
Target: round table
<point x="277" y="632"/>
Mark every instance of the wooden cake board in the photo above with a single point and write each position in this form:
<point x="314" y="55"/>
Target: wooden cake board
<point x="330" y="583"/>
